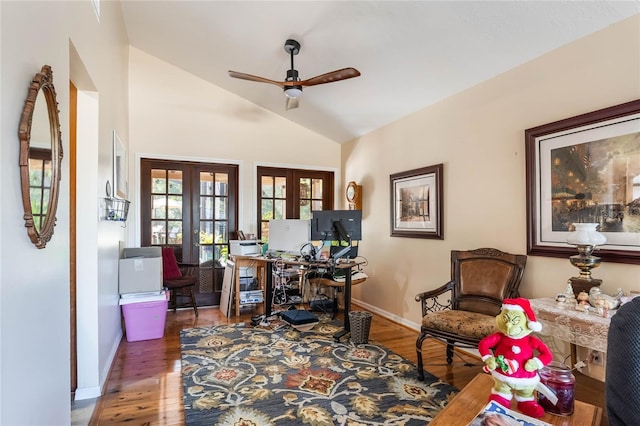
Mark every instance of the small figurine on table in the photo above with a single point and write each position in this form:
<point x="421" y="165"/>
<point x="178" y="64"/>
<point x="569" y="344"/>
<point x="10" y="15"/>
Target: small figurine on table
<point x="583" y="302"/>
<point x="513" y="357"/>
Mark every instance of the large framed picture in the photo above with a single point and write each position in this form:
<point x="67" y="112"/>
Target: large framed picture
<point x="417" y="203"/>
<point x="585" y="169"/>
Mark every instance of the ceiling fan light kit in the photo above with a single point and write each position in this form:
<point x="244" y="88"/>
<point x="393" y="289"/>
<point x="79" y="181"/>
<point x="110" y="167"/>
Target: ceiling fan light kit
<point x="292" y="85"/>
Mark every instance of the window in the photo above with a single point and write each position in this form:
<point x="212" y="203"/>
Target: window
<point x="291" y="194"/>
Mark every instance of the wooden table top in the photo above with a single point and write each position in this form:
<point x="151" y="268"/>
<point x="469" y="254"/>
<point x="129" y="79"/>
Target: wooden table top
<point x="468" y="403"/>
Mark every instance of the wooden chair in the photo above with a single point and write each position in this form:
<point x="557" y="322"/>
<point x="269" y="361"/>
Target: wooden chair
<point x="179" y="285"/>
<point x="480" y="280"/>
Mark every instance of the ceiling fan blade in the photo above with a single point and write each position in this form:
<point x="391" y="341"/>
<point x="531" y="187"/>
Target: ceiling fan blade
<point x="292" y="103"/>
<point x="250" y="77"/>
<point x="330" y="77"/>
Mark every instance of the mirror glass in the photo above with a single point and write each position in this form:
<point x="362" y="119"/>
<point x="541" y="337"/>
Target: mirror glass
<point x="40" y="158"/>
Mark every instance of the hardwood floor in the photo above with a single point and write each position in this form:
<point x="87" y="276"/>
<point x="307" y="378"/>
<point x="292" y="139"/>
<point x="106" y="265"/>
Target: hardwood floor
<point x="144" y="386"/>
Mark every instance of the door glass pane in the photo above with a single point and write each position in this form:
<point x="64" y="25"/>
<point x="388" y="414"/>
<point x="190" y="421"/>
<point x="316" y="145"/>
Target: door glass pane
<point x="267" y="209"/>
<point x="221" y="208"/>
<point x="267" y="186"/>
<point x="316" y="205"/>
<point x="222" y="184"/>
<point x="264" y="231"/>
<point x="206" y="208"/>
<point x="305" y="209"/>
<point x="159" y="204"/>
<point x="47" y="174"/>
<point x="221" y="232"/>
<point x="206" y="254"/>
<point x="158" y="181"/>
<point x="305" y="188"/>
<point x="206" y="232"/>
<point x="174" y="234"/>
<point x="175" y="207"/>
<point x="316" y="189"/>
<point x="158" y="232"/>
<point x="280" y="210"/>
<point x="206" y="183"/>
<point x="175" y="182"/>
<point x="281" y="187"/>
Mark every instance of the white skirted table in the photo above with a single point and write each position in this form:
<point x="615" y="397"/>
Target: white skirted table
<point x="579" y="328"/>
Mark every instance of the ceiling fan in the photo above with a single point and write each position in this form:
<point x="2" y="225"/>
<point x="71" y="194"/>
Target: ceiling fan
<point x="292" y="85"/>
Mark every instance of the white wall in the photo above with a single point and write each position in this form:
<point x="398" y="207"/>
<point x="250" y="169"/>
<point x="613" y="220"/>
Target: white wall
<point x="479" y="136"/>
<point x="34" y="284"/>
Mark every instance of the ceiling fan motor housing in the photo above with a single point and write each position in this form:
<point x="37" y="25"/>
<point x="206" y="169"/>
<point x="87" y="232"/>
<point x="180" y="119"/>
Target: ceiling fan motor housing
<point x="292" y="91"/>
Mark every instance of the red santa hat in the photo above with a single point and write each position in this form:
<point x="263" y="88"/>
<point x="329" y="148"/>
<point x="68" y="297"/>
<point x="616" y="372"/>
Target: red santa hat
<point x="521" y="304"/>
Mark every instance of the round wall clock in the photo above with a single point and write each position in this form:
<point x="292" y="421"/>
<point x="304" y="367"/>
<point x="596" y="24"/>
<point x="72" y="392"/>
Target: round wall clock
<point x="354" y="196"/>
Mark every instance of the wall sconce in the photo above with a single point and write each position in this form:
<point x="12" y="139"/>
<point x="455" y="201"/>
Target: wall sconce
<point x="586" y="238"/>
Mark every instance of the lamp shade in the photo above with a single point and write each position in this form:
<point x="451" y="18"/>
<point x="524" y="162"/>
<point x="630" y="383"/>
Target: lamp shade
<point x="585" y="234"/>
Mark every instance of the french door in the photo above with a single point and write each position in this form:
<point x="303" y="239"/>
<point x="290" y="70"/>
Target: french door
<point x="192" y="207"/>
<point x="291" y="194"/>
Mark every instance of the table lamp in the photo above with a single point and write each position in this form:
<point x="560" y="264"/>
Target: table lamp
<point x="586" y="238"/>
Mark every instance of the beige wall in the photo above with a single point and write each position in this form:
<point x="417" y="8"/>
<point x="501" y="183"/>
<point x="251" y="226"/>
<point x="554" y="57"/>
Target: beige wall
<point x="479" y="136"/>
<point x="176" y="114"/>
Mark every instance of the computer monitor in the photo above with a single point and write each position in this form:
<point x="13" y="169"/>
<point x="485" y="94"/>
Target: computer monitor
<point x="289" y="235"/>
<point x="336" y="225"/>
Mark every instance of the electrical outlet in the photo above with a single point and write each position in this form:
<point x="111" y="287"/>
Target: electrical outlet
<point x="597" y="358"/>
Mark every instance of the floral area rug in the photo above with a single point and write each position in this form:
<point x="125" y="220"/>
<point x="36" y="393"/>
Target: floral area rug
<point x="245" y="376"/>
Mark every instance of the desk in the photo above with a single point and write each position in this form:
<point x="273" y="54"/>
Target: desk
<point x="570" y="325"/>
<point x="468" y="403"/>
<point x="347" y="286"/>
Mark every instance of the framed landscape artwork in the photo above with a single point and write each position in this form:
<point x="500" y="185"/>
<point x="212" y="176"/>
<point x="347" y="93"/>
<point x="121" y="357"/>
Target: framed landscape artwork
<point x="417" y="203"/>
<point x="585" y="169"/>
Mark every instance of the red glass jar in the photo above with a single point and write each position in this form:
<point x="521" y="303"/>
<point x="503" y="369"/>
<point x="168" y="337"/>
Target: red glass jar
<point x="559" y="378"/>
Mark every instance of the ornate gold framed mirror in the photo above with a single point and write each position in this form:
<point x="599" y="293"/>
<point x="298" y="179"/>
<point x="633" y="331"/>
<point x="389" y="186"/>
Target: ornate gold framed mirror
<point x="40" y="158"/>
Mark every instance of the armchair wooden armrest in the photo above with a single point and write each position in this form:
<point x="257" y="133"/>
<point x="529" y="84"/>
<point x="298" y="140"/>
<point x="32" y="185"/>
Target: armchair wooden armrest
<point x="430" y="301"/>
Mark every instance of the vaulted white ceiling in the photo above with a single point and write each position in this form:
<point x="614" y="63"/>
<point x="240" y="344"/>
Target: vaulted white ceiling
<point x="411" y="53"/>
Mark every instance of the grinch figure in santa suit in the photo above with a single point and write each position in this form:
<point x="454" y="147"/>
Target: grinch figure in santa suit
<point x="513" y="357"/>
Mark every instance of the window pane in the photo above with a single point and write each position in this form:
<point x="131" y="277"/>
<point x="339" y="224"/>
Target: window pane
<point x="264" y="231"/>
<point x="206" y="183"/>
<point x="174" y="236"/>
<point x="206" y="208"/>
<point x="222" y="184"/>
<point x="316" y="205"/>
<point x="281" y="187"/>
<point x="267" y="186"/>
<point x="35" y="172"/>
<point x="47" y="174"/>
<point x="175" y="182"/>
<point x="206" y="232"/>
<point x="221" y="208"/>
<point x="45" y="200"/>
<point x="175" y="207"/>
<point x="34" y="195"/>
<point x="158" y="181"/>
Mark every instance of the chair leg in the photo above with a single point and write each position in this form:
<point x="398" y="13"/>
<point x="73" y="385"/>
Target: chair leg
<point x="173" y="299"/>
<point x="421" y="339"/>
<point x="449" y="353"/>
<point x="193" y="301"/>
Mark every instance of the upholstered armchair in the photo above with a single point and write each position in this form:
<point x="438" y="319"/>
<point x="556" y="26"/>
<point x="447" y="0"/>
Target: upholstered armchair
<point x="462" y="312"/>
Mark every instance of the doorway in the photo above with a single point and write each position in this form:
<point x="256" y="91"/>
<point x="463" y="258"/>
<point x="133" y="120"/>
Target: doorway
<point x="192" y="207"/>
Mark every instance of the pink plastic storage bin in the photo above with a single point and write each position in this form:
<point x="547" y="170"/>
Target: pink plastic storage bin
<point x="144" y="320"/>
